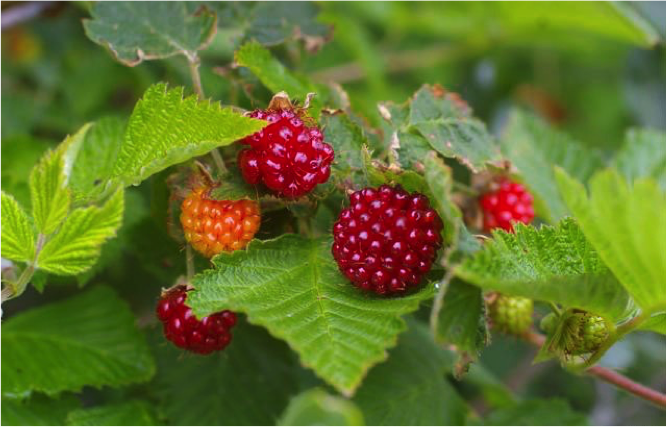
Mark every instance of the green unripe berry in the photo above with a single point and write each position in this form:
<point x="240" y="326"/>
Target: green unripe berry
<point x="511" y="315"/>
<point x="584" y="333"/>
<point x="549" y="323"/>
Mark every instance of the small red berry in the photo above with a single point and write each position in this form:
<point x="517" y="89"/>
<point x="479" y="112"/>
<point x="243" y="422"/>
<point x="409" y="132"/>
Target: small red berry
<point x="509" y="203"/>
<point x="288" y="156"/>
<point x="387" y="240"/>
<point x="180" y="326"/>
<point x="212" y="226"/>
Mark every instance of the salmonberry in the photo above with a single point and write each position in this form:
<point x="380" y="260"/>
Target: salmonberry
<point x="511" y="315"/>
<point x="387" y="240"/>
<point x="288" y="156"/>
<point x="584" y="332"/>
<point x="508" y="202"/>
<point x="180" y="326"/>
<point x="213" y="226"/>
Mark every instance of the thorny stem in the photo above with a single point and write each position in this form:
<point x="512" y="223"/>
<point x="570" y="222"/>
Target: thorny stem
<point x="12" y="290"/>
<point x="193" y="62"/>
<point x="610" y="376"/>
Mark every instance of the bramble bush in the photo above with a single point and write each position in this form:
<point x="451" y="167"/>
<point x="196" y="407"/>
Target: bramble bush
<point x="397" y="238"/>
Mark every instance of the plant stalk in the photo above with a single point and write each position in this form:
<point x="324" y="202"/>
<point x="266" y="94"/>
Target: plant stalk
<point x="610" y="376"/>
<point x="189" y="262"/>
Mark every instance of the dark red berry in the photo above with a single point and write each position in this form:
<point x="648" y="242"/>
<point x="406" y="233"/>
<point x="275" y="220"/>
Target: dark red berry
<point x="211" y="333"/>
<point x="288" y="156"/>
<point x="509" y="202"/>
<point x="387" y="240"/>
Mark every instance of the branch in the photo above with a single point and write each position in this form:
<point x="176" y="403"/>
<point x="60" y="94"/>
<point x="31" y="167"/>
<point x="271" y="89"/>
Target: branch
<point x="15" y="15"/>
<point x="610" y="376"/>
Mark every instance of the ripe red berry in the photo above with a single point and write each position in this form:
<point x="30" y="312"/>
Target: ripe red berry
<point x="212" y="226"/>
<point x="509" y="202"/>
<point x="387" y="240"/>
<point x="180" y="326"/>
<point x="288" y="156"/>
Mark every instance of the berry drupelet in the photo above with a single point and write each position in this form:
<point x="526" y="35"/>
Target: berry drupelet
<point x="509" y="203"/>
<point x="212" y="226"/>
<point x="180" y="326"/>
<point x="387" y="240"/>
<point x="288" y="156"/>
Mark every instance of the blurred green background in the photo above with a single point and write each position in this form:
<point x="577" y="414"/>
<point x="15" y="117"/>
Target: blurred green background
<point x="591" y="69"/>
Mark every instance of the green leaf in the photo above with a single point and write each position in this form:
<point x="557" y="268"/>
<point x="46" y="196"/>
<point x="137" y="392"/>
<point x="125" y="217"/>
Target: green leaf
<point x="292" y="286"/>
<point x="642" y="156"/>
<point x="275" y="76"/>
<point x="533" y="148"/>
<point x="276" y="22"/>
<point x="49" y="193"/>
<point x="166" y="129"/>
<point x="626" y="225"/>
<point x="462" y="320"/>
<point x="87" y="340"/>
<point x="655" y="323"/>
<point x="39" y="410"/>
<point x="552" y="264"/>
<point x="410" y="388"/>
<point x="318" y="408"/>
<point x="538" y="412"/>
<point x="249" y="383"/>
<point x="347" y="140"/>
<point x="77" y="245"/>
<point x="137" y="31"/>
<point x="445" y="123"/>
<point x="132" y="413"/>
<point x="18" y="237"/>
<point x="94" y="160"/>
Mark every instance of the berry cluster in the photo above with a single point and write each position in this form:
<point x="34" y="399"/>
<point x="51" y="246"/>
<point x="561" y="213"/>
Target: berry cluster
<point x="288" y="156"/>
<point x="212" y="226"/>
<point x="211" y="333"/>
<point x="511" y="315"/>
<point x="509" y="203"/>
<point x="387" y="240"/>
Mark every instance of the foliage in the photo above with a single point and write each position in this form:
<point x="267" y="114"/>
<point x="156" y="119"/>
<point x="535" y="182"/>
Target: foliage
<point x="309" y="348"/>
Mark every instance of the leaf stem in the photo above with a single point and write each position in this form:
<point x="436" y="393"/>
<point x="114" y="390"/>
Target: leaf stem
<point x="189" y="262"/>
<point x="610" y="376"/>
<point x="193" y="62"/>
<point x="12" y="290"/>
<point x="439" y="300"/>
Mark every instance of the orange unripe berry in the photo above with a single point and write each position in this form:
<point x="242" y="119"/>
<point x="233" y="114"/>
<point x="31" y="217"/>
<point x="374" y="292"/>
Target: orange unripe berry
<point x="213" y="226"/>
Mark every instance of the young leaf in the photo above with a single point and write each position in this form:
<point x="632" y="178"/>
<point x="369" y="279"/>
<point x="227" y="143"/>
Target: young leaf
<point x="253" y="380"/>
<point x="446" y="124"/>
<point x="39" y="410"/>
<point x="552" y="264"/>
<point x="275" y="76"/>
<point x="137" y="31"/>
<point x="533" y="148"/>
<point x="318" y="408"/>
<point x="439" y="179"/>
<point x="77" y="245"/>
<point x="49" y="194"/>
<point x="462" y="319"/>
<point x="292" y="286"/>
<point x="20" y="153"/>
<point x="410" y="388"/>
<point x="541" y="412"/>
<point x="166" y="129"/>
<point x="626" y="226"/>
<point x="87" y="340"/>
<point x="18" y="237"/>
<point x="131" y="413"/>
<point x="94" y="160"/>
<point x="642" y="156"/>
